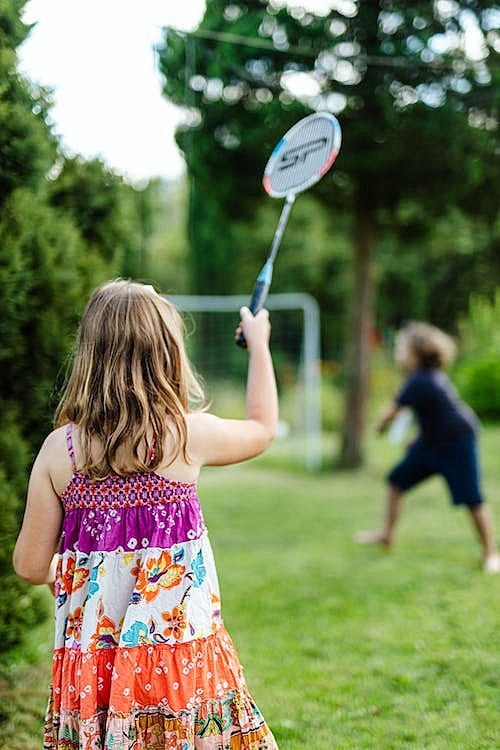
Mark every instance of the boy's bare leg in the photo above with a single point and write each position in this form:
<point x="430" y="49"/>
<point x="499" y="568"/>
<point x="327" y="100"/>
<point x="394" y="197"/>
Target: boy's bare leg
<point x="393" y="511"/>
<point x="483" y="523"/>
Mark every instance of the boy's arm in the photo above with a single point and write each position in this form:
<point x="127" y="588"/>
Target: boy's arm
<point x="390" y="411"/>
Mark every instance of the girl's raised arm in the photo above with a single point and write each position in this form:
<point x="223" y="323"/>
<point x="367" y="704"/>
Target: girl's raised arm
<point x="215" y="441"/>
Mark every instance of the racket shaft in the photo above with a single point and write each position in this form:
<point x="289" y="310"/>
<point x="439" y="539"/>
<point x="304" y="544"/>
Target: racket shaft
<point x="264" y="278"/>
<point x="285" y="213"/>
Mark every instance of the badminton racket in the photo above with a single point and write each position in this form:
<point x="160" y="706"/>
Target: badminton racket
<point x="301" y="158"/>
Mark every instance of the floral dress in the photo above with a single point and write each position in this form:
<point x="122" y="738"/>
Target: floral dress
<point x="142" y="660"/>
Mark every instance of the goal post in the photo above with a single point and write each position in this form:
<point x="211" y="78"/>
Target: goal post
<point x="297" y="346"/>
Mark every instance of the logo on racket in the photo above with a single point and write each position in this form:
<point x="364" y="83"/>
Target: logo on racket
<point x="300" y="153"/>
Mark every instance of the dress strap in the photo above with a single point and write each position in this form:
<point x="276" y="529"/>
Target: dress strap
<point x="152" y="449"/>
<point x="69" y="443"/>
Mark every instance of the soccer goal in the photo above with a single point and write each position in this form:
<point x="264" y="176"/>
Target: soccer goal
<point x="295" y="340"/>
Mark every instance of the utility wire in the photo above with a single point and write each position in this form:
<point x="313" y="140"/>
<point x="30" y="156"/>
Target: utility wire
<point x="246" y="41"/>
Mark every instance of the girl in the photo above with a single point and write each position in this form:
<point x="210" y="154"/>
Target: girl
<point x="447" y="441"/>
<point x="142" y="659"/>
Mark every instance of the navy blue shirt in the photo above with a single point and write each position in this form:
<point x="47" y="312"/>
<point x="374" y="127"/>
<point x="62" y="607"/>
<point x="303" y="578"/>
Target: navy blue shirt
<point x="442" y="417"/>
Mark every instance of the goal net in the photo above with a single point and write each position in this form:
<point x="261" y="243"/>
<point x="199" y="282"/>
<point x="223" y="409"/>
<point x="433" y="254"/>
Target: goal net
<point x="211" y="322"/>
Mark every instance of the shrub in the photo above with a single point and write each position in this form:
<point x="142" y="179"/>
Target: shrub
<point x="479" y="384"/>
<point x="20" y="604"/>
<point x="477" y="373"/>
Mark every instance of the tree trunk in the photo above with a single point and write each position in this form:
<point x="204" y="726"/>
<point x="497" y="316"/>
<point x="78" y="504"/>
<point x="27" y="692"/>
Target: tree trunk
<point x="358" y="349"/>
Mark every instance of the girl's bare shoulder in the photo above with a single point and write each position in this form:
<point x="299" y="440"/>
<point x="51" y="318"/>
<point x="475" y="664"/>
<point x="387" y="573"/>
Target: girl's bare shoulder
<point x="54" y="443"/>
<point x="55" y="459"/>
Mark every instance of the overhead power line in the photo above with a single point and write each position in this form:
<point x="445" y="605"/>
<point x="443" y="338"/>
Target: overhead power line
<point x="263" y="44"/>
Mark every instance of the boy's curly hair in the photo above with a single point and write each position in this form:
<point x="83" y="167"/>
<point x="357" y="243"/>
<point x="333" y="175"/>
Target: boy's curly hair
<point x="432" y="347"/>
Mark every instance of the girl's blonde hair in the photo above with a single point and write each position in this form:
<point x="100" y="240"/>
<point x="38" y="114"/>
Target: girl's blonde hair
<point x="431" y="347"/>
<point x="130" y="373"/>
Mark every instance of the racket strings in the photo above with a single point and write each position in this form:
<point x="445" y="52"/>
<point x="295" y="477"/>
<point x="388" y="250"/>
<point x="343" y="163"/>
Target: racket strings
<point x="300" y="158"/>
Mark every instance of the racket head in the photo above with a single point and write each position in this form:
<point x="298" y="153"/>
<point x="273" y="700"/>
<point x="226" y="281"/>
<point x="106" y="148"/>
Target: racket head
<point x="304" y="154"/>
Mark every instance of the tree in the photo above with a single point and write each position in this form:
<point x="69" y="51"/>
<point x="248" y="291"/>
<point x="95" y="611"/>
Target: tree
<point x="417" y="113"/>
<point x="65" y="226"/>
<point x="427" y="266"/>
<point x="104" y="208"/>
<point x="26" y="153"/>
<point x="26" y="146"/>
<point x="167" y="243"/>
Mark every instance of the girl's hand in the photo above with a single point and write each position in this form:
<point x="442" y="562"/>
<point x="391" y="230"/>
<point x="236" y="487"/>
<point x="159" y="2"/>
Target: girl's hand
<point x="256" y="328"/>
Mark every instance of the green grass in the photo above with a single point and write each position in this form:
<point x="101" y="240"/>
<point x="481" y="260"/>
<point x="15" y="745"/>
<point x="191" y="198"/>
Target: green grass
<point x="344" y="646"/>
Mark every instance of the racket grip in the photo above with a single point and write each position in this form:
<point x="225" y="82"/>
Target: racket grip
<point x="257" y="301"/>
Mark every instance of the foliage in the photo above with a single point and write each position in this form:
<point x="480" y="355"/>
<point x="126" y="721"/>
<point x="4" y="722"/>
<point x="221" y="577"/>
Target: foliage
<point x="428" y="272"/>
<point x="27" y="148"/>
<point x="20" y="606"/>
<point x="101" y="205"/>
<point x="402" y="100"/>
<point x="165" y="249"/>
<point x="26" y="151"/>
<point x="480" y="329"/>
<point x="479" y="384"/>
<point x="478" y="371"/>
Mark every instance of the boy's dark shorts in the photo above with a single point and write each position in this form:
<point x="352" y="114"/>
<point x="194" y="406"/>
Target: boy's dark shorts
<point x="458" y="465"/>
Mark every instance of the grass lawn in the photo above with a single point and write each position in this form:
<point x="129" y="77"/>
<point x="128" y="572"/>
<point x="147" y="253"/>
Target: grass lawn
<point x="344" y="646"/>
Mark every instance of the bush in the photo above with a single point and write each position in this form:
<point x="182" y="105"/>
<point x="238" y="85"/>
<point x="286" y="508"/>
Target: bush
<point x="480" y="330"/>
<point x="479" y="384"/>
<point x="20" y="604"/>
<point x="477" y="374"/>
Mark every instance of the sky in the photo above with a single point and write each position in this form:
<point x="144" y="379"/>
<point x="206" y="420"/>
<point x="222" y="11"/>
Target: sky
<point x="97" y="56"/>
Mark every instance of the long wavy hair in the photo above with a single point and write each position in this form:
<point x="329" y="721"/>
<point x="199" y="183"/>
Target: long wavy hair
<point x="130" y="376"/>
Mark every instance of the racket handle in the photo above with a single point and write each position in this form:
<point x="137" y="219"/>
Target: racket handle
<point x="259" y="295"/>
